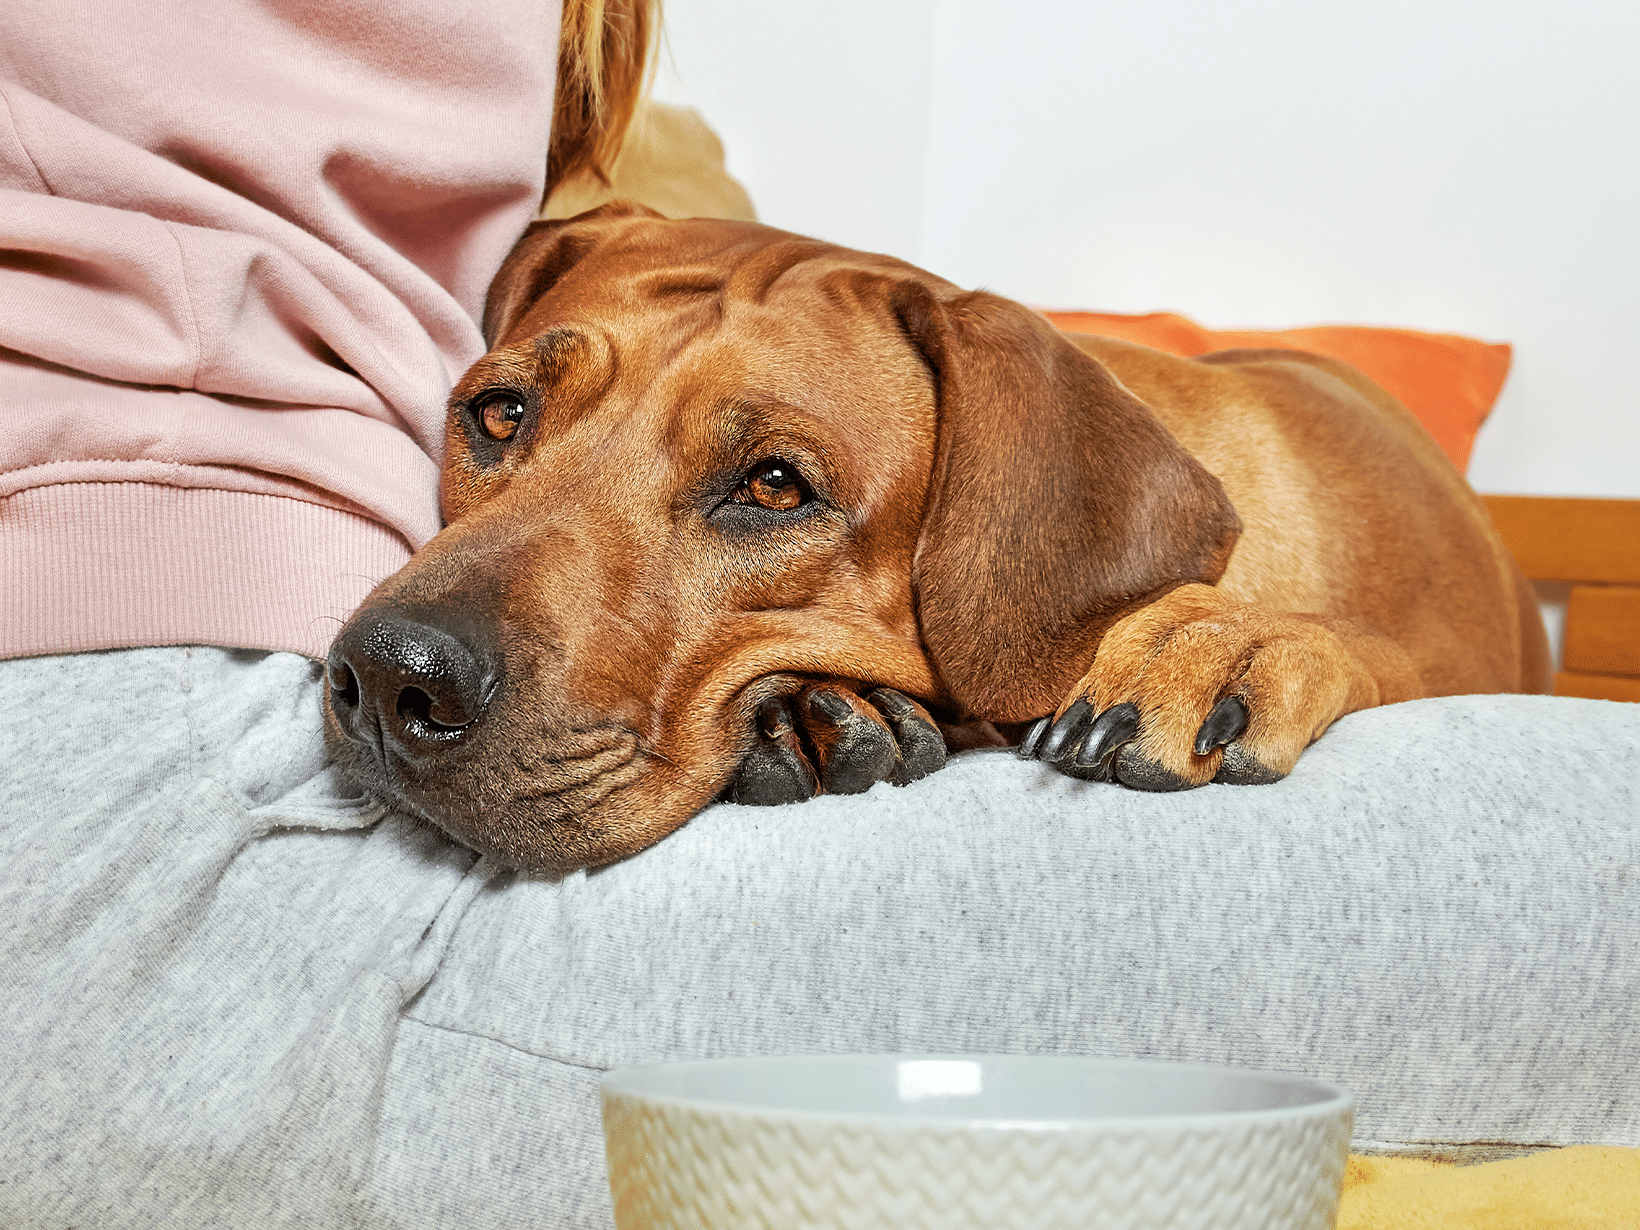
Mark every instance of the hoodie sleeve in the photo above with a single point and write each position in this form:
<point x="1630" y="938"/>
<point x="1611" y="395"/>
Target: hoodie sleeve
<point x="243" y="251"/>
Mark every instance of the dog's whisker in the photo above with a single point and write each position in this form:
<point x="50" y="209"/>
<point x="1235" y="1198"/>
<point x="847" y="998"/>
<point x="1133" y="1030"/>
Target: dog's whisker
<point x="683" y="771"/>
<point x="658" y="755"/>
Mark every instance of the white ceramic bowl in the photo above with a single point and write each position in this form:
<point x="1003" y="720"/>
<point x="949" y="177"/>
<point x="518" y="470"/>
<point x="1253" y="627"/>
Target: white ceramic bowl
<point x="947" y="1142"/>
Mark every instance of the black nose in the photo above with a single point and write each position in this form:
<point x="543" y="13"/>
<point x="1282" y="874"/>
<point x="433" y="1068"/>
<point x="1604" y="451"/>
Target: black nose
<point x="408" y="682"/>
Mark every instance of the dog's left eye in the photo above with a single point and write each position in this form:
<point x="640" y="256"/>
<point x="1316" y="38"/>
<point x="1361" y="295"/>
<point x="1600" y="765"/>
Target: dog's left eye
<point x="499" y="414"/>
<point x="773" y="484"/>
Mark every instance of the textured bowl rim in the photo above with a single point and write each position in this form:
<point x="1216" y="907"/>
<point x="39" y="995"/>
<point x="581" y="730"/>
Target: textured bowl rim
<point x="1335" y="1099"/>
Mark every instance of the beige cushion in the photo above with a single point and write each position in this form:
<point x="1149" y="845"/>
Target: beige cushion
<point x="672" y="162"/>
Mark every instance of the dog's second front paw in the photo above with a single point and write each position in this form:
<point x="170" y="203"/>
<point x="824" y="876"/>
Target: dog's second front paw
<point x="1099" y="746"/>
<point x="1197" y="687"/>
<point x="826" y="739"/>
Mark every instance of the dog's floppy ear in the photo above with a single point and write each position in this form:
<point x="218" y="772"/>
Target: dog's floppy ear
<point x="545" y="252"/>
<point x="1058" y="504"/>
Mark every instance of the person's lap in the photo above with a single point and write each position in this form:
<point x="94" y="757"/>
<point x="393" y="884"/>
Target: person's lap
<point x="237" y="995"/>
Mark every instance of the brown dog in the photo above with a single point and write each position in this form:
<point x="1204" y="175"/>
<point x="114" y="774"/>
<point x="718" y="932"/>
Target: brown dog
<point x="715" y="481"/>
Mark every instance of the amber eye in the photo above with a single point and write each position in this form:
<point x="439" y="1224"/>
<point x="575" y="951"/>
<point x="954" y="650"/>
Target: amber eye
<point x="775" y="485"/>
<point x="499" y="414"/>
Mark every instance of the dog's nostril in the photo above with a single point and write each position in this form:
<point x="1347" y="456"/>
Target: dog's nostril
<point x="430" y="718"/>
<point x="344" y="685"/>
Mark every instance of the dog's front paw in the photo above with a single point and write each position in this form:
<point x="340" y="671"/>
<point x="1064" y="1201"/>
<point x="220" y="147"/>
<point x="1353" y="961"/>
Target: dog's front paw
<point x="1197" y="688"/>
<point x="826" y="739"/>
<point x="1099" y="746"/>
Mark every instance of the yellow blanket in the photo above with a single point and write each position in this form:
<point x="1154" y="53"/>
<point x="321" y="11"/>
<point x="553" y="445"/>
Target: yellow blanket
<point x="1585" y="1187"/>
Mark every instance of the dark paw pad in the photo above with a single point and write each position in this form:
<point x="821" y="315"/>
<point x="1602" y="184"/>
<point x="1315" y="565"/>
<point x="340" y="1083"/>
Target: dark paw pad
<point x="855" y="747"/>
<point x="776" y="770"/>
<point x="921" y="745"/>
<point x="1141" y="773"/>
<point x="1239" y="769"/>
<point x="827" y="740"/>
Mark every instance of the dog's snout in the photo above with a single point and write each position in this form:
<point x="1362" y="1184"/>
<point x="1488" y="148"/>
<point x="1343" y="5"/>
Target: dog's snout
<point x="408" y="681"/>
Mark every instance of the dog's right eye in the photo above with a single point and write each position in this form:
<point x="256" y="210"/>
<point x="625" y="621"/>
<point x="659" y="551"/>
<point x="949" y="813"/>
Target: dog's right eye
<point x="499" y="414"/>
<point x="771" y="493"/>
<point x="775" y="485"/>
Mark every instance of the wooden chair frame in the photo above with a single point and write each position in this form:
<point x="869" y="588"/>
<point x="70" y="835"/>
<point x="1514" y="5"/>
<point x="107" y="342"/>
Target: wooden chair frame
<point x="1591" y="547"/>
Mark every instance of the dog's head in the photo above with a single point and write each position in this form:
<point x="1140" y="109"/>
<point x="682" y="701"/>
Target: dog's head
<point x="704" y="460"/>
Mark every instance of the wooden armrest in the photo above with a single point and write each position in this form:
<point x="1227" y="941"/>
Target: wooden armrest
<point x="1593" y="547"/>
<point x="1571" y="540"/>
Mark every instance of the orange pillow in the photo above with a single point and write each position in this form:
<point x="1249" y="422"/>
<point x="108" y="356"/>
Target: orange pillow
<point x="1448" y="381"/>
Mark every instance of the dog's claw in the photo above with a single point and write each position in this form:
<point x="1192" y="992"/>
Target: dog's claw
<point x="831" y="706"/>
<point x="1063" y="735"/>
<point x="774" y="719"/>
<point x="1031" y="742"/>
<point x="1223" y="725"/>
<point x="1082" y="743"/>
<point x="1111" y="731"/>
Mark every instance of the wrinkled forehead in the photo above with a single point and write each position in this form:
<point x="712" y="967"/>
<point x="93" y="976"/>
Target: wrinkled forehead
<point x="665" y="283"/>
<point x="634" y="258"/>
<point x="753" y="325"/>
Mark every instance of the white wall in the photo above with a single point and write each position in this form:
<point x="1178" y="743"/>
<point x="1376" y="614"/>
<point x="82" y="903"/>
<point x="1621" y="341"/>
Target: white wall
<point x="1440" y="164"/>
<point x="823" y="107"/>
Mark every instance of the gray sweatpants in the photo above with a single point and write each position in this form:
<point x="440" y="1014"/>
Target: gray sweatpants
<point x="235" y="995"/>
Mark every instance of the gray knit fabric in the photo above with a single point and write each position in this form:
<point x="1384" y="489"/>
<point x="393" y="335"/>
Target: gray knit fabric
<point x="233" y="995"/>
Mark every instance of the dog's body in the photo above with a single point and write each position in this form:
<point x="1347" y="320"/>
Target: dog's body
<point x="715" y="481"/>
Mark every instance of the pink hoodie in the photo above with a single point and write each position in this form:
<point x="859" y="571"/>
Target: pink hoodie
<point x="243" y="248"/>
